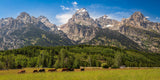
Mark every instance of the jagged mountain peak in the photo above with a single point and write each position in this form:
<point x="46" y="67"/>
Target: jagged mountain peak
<point x="138" y="16"/>
<point x="138" y="13"/>
<point x="106" y="22"/>
<point x="24" y="17"/>
<point x="46" y="22"/>
<point x="81" y="13"/>
<point x="140" y="21"/>
<point x="41" y="16"/>
<point x="82" y="17"/>
<point x="105" y="16"/>
<point x="82" y="10"/>
<point x="43" y="19"/>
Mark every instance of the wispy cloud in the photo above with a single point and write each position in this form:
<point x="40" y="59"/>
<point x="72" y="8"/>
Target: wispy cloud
<point x="158" y="18"/>
<point x="74" y="3"/>
<point x="113" y="12"/>
<point x="64" y="17"/>
<point x="95" y="11"/>
<point x="147" y="17"/>
<point x="119" y="15"/>
<point x="64" y="8"/>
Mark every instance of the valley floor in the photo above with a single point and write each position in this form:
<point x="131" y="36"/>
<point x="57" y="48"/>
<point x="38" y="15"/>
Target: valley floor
<point x="101" y="74"/>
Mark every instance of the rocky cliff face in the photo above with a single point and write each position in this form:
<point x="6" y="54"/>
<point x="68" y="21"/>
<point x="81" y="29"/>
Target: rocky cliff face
<point x="83" y="18"/>
<point x="138" y="20"/>
<point x="113" y="38"/>
<point x="145" y="39"/>
<point x="27" y="30"/>
<point x="106" y="22"/>
<point x="79" y="33"/>
<point x="139" y="29"/>
<point x="80" y="28"/>
<point x="47" y="23"/>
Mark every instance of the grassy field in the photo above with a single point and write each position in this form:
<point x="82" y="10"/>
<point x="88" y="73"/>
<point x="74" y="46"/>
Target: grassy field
<point x="101" y="74"/>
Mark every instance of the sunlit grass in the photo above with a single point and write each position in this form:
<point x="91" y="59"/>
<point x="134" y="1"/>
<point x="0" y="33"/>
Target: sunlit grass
<point x="109" y="74"/>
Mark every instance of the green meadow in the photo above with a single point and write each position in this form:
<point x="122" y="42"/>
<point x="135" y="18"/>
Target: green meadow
<point x="104" y="74"/>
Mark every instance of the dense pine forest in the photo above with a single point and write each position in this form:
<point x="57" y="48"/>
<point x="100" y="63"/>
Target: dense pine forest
<point x="76" y="56"/>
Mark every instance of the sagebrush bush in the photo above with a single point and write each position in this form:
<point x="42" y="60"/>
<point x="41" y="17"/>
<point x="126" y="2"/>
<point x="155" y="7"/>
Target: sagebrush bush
<point x="104" y="65"/>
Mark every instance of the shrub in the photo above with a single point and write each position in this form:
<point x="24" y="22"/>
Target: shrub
<point x="114" y="66"/>
<point x="104" y="65"/>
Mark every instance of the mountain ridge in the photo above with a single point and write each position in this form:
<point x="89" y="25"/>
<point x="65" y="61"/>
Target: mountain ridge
<point x="135" y="32"/>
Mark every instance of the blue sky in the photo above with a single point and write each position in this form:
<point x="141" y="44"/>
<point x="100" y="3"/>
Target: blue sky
<point x="59" y="11"/>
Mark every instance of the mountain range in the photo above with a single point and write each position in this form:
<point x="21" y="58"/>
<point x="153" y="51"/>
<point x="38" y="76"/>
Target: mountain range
<point x="135" y="32"/>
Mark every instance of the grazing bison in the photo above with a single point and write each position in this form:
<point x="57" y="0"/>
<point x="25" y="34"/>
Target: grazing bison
<point x="42" y="70"/>
<point x="51" y="70"/>
<point x="19" y="67"/>
<point x="82" y="69"/>
<point x="71" y="69"/>
<point x="21" y="71"/>
<point x="34" y="71"/>
<point x="65" y="69"/>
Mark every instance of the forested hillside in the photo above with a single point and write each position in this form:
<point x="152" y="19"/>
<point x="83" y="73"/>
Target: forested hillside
<point x="76" y="56"/>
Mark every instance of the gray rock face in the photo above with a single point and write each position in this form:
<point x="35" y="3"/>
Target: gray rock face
<point x="105" y="22"/>
<point x="79" y="33"/>
<point x="8" y="26"/>
<point x="138" y="20"/>
<point x="47" y="23"/>
<point x="80" y="28"/>
<point x="82" y="17"/>
<point x="145" y="39"/>
<point x="24" y="18"/>
<point x="144" y="32"/>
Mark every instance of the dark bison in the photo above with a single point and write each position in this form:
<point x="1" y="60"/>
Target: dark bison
<point x="65" y="69"/>
<point x="82" y="69"/>
<point x="19" y="67"/>
<point x="21" y="71"/>
<point x="34" y="71"/>
<point x="51" y="70"/>
<point x="42" y="70"/>
<point x="71" y="69"/>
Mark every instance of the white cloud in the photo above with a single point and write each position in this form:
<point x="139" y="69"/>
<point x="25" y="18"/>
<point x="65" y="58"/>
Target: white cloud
<point x="95" y="15"/>
<point x="64" y="17"/>
<point x="157" y="18"/>
<point x="147" y="17"/>
<point x="64" y="8"/>
<point x="119" y="15"/>
<point x="74" y="3"/>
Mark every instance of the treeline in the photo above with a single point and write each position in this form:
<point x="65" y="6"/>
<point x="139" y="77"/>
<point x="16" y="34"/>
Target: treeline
<point x="76" y="56"/>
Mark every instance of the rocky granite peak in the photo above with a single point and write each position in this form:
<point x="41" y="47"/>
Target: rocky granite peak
<point x="24" y="17"/>
<point x="82" y="17"/>
<point x="46" y="22"/>
<point x="43" y="18"/>
<point x="106" y="22"/>
<point x="138" y="16"/>
<point x="81" y="27"/>
<point x="6" y="22"/>
<point x="105" y="17"/>
<point x="138" y="20"/>
<point x="82" y="13"/>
